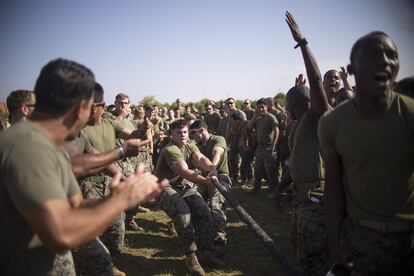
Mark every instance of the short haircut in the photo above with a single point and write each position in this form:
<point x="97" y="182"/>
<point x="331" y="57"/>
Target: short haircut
<point x="179" y="124"/>
<point x="17" y="98"/>
<point x="148" y="107"/>
<point x="98" y="93"/>
<point x="121" y="96"/>
<point x="61" y="85"/>
<point x="361" y="41"/>
<point x="237" y="116"/>
<point x="261" y="101"/>
<point x="198" y="124"/>
<point x="229" y="99"/>
<point x="298" y="94"/>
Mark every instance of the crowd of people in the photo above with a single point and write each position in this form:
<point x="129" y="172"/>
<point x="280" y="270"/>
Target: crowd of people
<point x="75" y="172"/>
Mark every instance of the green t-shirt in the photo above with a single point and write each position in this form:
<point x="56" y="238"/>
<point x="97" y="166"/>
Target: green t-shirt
<point x="125" y="123"/>
<point x="249" y="113"/>
<point x="170" y="156"/>
<point x="207" y="150"/>
<point x="377" y="155"/>
<point x="265" y="127"/>
<point x="82" y="143"/>
<point x="103" y="135"/>
<point x="32" y="170"/>
<point x="306" y="163"/>
<point x="212" y="121"/>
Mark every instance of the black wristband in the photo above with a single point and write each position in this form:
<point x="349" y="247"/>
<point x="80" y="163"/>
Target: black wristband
<point x="302" y="42"/>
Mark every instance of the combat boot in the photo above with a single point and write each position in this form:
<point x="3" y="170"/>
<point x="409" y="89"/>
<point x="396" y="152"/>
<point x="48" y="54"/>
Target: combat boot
<point x="133" y="226"/>
<point x="193" y="265"/>
<point x="208" y="259"/>
<point x="117" y="272"/>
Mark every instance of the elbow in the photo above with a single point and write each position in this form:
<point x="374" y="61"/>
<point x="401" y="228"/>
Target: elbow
<point x="59" y="243"/>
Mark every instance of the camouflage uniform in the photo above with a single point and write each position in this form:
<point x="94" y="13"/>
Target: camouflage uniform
<point x="377" y="253"/>
<point x="93" y="258"/>
<point x="310" y="235"/>
<point x="191" y="216"/>
<point x="217" y="204"/>
<point x="113" y="237"/>
<point x="63" y="265"/>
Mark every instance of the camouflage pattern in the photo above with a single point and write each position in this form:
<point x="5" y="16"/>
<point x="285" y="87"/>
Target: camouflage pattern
<point x="217" y="204"/>
<point x="113" y="237"/>
<point x="63" y="265"/>
<point x="93" y="258"/>
<point x="375" y="253"/>
<point x="191" y="217"/>
<point x="310" y="231"/>
<point x="246" y="171"/>
<point x="145" y="158"/>
<point x="234" y="159"/>
<point x="265" y="167"/>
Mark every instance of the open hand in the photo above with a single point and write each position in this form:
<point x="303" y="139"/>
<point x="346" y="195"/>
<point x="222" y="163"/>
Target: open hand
<point x="294" y="27"/>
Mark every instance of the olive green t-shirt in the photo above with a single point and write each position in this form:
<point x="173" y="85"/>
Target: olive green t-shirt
<point x="33" y="170"/>
<point x="170" y="156"/>
<point x="207" y="150"/>
<point x="212" y="121"/>
<point x="265" y="127"/>
<point x="377" y="155"/>
<point x="306" y="163"/>
<point x="103" y="135"/>
<point x="82" y="143"/>
<point x="125" y="123"/>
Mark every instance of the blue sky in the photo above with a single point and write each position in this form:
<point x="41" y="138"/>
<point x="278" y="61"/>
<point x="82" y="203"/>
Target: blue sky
<point x="191" y="49"/>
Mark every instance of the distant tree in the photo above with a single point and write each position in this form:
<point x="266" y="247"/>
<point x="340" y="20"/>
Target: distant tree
<point x="281" y="98"/>
<point x="150" y="100"/>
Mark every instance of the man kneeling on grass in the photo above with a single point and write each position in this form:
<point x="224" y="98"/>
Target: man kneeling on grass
<point x="182" y="202"/>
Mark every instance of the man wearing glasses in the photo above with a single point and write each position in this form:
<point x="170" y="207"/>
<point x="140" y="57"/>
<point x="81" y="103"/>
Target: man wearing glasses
<point x="20" y="104"/>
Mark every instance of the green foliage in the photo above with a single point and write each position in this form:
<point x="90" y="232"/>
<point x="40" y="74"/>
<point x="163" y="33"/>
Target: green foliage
<point x="281" y="98"/>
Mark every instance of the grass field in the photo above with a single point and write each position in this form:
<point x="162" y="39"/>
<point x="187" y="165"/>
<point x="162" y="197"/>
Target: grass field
<point x="156" y="252"/>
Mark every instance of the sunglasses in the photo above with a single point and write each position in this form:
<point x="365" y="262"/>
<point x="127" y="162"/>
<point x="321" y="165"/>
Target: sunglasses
<point x="229" y="103"/>
<point x="192" y="132"/>
<point x="99" y="104"/>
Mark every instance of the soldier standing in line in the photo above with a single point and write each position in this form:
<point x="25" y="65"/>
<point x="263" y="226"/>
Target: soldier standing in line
<point x="367" y="144"/>
<point x="267" y="131"/>
<point x="306" y="165"/>
<point x="211" y="117"/>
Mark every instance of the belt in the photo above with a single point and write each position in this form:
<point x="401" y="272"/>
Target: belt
<point x="304" y="187"/>
<point x="387" y="227"/>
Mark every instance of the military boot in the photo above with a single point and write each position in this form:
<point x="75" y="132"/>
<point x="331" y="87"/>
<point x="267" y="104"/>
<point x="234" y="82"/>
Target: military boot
<point x="207" y="258"/>
<point x="193" y="265"/>
<point x="133" y="226"/>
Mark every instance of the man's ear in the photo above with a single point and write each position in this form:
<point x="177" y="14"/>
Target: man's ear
<point x="24" y="110"/>
<point x="350" y="69"/>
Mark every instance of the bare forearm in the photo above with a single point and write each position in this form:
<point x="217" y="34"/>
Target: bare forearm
<point x="87" y="164"/>
<point x="275" y="138"/>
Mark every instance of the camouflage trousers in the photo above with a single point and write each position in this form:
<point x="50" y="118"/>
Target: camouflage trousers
<point x="265" y="167"/>
<point x="93" y="258"/>
<point x="113" y="237"/>
<point x="375" y="253"/>
<point x="128" y="166"/>
<point x="310" y="237"/>
<point x="63" y="265"/>
<point x="191" y="217"/>
<point x="217" y="204"/>
<point x="246" y="171"/>
<point x="234" y="160"/>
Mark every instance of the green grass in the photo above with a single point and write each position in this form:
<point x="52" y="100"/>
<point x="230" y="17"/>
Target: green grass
<point x="156" y="252"/>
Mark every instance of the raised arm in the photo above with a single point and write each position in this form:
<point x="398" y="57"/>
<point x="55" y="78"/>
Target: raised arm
<point x="318" y="99"/>
<point x="344" y="77"/>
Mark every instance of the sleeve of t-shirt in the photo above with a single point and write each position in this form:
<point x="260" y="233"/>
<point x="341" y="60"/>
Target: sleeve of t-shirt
<point x="117" y="126"/>
<point x="36" y="178"/>
<point x="87" y="143"/>
<point x="220" y="142"/>
<point x="274" y="122"/>
<point x="173" y="156"/>
<point x="326" y="133"/>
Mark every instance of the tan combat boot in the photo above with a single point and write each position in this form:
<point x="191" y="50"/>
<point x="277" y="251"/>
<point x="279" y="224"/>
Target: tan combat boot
<point x="193" y="265"/>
